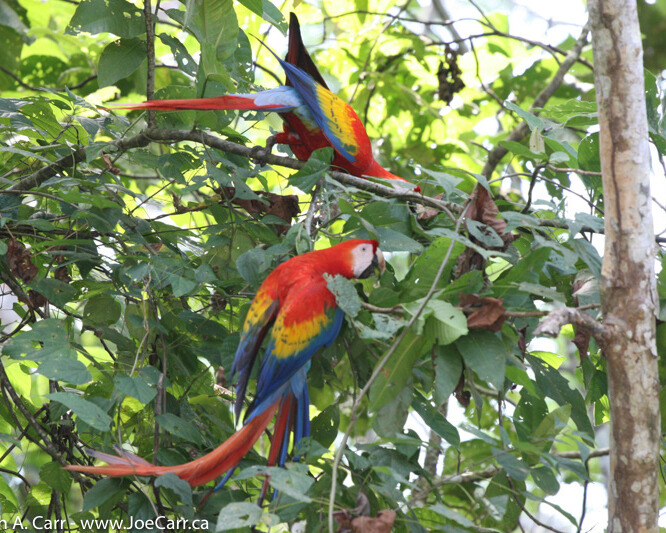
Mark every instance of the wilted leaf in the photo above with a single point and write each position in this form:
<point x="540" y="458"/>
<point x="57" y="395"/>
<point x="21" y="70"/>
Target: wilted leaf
<point x="382" y="523"/>
<point x="484" y="313"/>
<point x="20" y="262"/>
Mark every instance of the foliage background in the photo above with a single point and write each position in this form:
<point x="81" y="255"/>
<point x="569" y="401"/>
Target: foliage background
<point x="128" y="262"/>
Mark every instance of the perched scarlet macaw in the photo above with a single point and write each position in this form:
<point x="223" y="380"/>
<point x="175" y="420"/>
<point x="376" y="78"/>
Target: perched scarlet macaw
<point x="295" y="309"/>
<point x="314" y="117"/>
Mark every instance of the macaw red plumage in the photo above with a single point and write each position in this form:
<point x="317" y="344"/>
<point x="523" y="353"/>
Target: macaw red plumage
<point x="297" y="313"/>
<point x="314" y="117"/>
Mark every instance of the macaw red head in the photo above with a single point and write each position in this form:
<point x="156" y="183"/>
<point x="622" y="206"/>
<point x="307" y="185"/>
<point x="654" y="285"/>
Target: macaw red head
<point x="366" y="257"/>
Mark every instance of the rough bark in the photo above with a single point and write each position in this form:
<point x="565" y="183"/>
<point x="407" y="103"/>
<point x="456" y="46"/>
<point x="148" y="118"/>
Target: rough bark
<point x="628" y="278"/>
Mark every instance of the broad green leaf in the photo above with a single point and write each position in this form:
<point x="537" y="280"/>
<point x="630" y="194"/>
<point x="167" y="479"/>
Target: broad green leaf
<point x="435" y="419"/>
<point x="345" y="294"/>
<point x="120" y="59"/>
<point x="242" y="514"/>
<point x="114" y="16"/>
<point x="448" y="368"/>
<point x="515" y="468"/>
<point x="588" y="153"/>
<point x="69" y="370"/>
<point x="390" y="419"/>
<point x="102" y="310"/>
<point x="267" y="10"/>
<point x="532" y="120"/>
<point x="136" y="387"/>
<point x="55" y="477"/>
<point x="214" y="24"/>
<point x="293" y="481"/>
<point x="552" y="425"/>
<point x="314" y="169"/>
<point x="487" y="235"/>
<point x="324" y="426"/>
<point x="179" y="427"/>
<point x="545" y="479"/>
<point x="397" y="370"/>
<point x="102" y="491"/>
<point x="485" y="353"/>
<point x="522" y="150"/>
<point x="46" y="340"/>
<point x="55" y="291"/>
<point x="87" y="411"/>
<point x="555" y="386"/>
<point x="252" y="264"/>
<point x="179" y="487"/>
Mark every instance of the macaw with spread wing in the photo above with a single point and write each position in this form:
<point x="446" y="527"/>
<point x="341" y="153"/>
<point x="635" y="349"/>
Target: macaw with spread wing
<point x="314" y="117"/>
<point x="297" y="314"/>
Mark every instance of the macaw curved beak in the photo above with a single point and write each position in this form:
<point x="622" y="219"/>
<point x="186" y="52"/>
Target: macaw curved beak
<point x="378" y="263"/>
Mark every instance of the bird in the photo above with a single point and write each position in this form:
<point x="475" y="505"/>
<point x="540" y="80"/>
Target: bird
<point x="313" y="116"/>
<point x="296" y="315"/>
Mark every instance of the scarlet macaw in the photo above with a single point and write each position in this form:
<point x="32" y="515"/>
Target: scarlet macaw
<point x="295" y="309"/>
<point x="314" y="117"/>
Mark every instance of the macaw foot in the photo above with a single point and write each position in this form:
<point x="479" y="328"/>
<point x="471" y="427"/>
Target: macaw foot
<point x="260" y="154"/>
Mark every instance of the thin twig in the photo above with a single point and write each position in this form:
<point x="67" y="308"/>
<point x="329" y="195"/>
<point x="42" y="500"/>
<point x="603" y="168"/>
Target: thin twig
<point x="379" y="368"/>
<point x="150" y="55"/>
<point x="499" y="151"/>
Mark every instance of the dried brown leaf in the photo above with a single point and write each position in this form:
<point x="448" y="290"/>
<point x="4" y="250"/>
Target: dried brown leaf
<point x="20" y="262"/>
<point x="382" y="523"/>
<point x="484" y="313"/>
<point x="483" y="209"/>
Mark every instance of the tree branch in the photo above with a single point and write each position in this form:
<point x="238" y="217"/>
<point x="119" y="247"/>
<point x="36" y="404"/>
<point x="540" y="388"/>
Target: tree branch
<point x="552" y="324"/>
<point x="497" y="153"/>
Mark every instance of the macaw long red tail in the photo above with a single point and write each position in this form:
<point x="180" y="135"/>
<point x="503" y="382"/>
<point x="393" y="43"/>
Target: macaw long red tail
<point x="197" y="472"/>
<point x="216" y="102"/>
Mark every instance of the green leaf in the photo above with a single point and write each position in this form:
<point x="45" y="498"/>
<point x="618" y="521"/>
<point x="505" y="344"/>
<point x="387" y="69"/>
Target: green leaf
<point x="345" y="294"/>
<point x="179" y="427"/>
<point x="185" y="61"/>
<point x="444" y="322"/>
<point x="114" y="16"/>
<point x="588" y="153"/>
<point x="267" y="10"/>
<point x="390" y="419"/>
<point x="435" y="420"/>
<point x="532" y="120"/>
<point x="46" y="340"/>
<point x="398" y="369"/>
<point x="555" y="386"/>
<point x="136" y="387"/>
<point x="293" y="481"/>
<point x="102" y="310"/>
<point x="55" y="291"/>
<point x="252" y="264"/>
<point x="487" y="235"/>
<point x="422" y="274"/>
<point x="552" y="425"/>
<point x="515" y="468"/>
<point x="545" y="479"/>
<point x="119" y="59"/>
<point x="87" y="411"/>
<point x="102" y="492"/>
<point x="214" y="24"/>
<point x="454" y="517"/>
<point x="485" y="353"/>
<point x="238" y="514"/>
<point x="179" y="487"/>
<point x="69" y="370"/>
<point x="448" y="367"/>
<point x="55" y="477"/>
<point x="522" y="150"/>
<point x="314" y="169"/>
<point x="324" y="426"/>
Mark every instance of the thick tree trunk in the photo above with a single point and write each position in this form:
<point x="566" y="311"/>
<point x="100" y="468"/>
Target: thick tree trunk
<point x="628" y="278"/>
